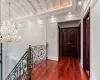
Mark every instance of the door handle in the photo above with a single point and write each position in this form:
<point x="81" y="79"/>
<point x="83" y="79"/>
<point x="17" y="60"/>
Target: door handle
<point x="69" y="43"/>
<point x="72" y="46"/>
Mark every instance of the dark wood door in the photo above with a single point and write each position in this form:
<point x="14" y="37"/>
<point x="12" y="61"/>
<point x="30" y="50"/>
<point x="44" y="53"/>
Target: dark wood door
<point x="86" y="53"/>
<point x="69" y="41"/>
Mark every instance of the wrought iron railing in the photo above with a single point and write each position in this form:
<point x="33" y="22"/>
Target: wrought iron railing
<point x="23" y="69"/>
<point x="38" y="53"/>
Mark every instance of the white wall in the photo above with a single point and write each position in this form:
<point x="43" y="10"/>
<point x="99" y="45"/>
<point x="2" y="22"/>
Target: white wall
<point x="10" y="63"/>
<point x="52" y="39"/>
<point x="31" y="35"/>
<point x="95" y="41"/>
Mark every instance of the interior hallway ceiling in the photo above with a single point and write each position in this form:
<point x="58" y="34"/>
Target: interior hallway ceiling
<point x="26" y="8"/>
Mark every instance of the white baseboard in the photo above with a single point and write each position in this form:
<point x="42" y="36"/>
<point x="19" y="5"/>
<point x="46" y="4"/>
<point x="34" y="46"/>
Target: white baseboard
<point x="92" y="76"/>
<point x="53" y="58"/>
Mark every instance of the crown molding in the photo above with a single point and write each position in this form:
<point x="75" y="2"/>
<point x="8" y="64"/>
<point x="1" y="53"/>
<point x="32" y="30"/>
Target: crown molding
<point x="93" y="2"/>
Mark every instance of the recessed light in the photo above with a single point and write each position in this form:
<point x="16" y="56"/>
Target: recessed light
<point x="79" y="3"/>
<point x="19" y="25"/>
<point x="39" y="21"/>
<point x="52" y="16"/>
<point x="69" y="12"/>
<point x="53" y="19"/>
<point x="29" y="23"/>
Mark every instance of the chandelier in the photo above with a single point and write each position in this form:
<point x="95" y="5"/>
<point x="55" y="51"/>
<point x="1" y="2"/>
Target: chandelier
<point x="9" y="32"/>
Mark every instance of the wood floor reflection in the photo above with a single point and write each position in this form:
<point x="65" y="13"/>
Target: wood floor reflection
<point x="66" y="69"/>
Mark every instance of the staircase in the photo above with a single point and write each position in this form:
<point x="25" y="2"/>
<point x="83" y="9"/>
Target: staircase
<point x="23" y="69"/>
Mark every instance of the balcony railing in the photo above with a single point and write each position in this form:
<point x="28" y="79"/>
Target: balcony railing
<point x="23" y="69"/>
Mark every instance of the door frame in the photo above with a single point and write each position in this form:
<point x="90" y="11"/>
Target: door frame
<point x="86" y="15"/>
<point x="1" y="62"/>
<point x="79" y="34"/>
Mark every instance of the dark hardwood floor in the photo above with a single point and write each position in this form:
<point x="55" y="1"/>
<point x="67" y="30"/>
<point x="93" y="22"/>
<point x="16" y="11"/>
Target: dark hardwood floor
<point x="66" y="69"/>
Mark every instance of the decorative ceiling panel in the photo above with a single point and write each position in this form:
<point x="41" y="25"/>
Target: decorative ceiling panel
<point x="33" y="7"/>
<point x="66" y="2"/>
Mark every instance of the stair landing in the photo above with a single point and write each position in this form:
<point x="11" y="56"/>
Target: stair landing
<point x="66" y="69"/>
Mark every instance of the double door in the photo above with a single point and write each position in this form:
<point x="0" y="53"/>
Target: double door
<point x="69" y="41"/>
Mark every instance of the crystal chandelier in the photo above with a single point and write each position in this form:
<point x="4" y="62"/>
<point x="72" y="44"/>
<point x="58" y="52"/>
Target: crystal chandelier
<point x="9" y="32"/>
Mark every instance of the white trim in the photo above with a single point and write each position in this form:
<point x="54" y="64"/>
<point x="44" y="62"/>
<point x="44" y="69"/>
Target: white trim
<point x="92" y="76"/>
<point x="81" y="42"/>
<point x="53" y="58"/>
<point x="86" y="8"/>
<point x="93" y="2"/>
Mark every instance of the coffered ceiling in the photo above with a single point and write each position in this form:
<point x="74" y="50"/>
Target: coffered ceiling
<point x="26" y="8"/>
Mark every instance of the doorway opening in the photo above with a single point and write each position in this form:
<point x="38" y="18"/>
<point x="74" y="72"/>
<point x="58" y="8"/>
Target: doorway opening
<point x="70" y="51"/>
<point x="69" y="42"/>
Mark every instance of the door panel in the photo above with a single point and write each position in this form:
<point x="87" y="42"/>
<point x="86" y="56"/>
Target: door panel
<point x="73" y="41"/>
<point x="65" y="47"/>
<point x="68" y="40"/>
<point x="65" y="36"/>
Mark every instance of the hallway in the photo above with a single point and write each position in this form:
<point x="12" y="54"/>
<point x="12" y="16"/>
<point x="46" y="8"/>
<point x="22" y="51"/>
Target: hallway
<point x="67" y="69"/>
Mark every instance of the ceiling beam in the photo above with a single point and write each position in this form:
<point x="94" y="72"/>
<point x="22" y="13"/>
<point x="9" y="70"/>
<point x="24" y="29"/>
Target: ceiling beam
<point x="39" y="4"/>
<point x="53" y="4"/>
<point x="60" y="2"/>
<point x="18" y="7"/>
<point x="11" y="6"/>
<point x="15" y="11"/>
<point x="32" y="5"/>
<point x="23" y="7"/>
<point x="46" y="4"/>
<point x="14" y="8"/>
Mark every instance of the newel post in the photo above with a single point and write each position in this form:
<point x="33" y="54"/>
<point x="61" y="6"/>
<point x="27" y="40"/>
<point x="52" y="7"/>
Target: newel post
<point x="46" y="50"/>
<point x="29" y="62"/>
